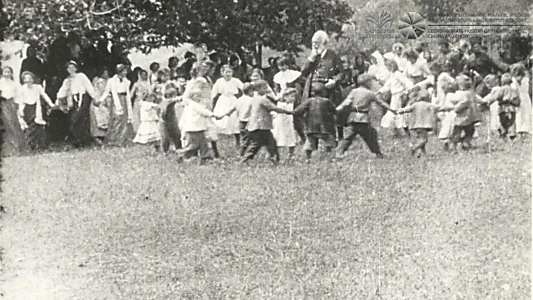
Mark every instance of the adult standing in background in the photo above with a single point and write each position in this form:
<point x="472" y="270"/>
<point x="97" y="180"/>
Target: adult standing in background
<point x="186" y="66"/>
<point x="324" y="67"/>
<point x="173" y="64"/>
<point x="361" y="64"/>
<point x="479" y="65"/>
<point x="30" y="111"/>
<point x="33" y="64"/>
<point x="100" y="110"/>
<point x="397" y="56"/>
<point x="75" y="96"/>
<point x="455" y="59"/>
<point x="119" y="130"/>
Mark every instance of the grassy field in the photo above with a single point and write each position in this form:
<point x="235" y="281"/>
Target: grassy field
<point x="124" y="224"/>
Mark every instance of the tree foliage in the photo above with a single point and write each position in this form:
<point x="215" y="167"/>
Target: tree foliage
<point x="145" y="24"/>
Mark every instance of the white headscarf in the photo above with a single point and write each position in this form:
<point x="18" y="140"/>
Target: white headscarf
<point x="379" y="70"/>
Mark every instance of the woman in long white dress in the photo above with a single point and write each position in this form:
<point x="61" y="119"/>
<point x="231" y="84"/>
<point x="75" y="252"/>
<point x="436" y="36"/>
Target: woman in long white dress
<point x="225" y="93"/>
<point x="521" y="81"/>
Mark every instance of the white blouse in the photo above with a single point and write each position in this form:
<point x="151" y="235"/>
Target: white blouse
<point x="8" y="88"/>
<point x="116" y="86"/>
<point x="287" y="77"/>
<point x="77" y="84"/>
<point x="396" y="83"/>
<point x="31" y="95"/>
<point x="226" y="88"/>
<point x="419" y="68"/>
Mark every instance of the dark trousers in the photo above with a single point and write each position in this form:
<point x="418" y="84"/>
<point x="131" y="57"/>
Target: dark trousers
<point x="366" y="131"/>
<point x="421" y="136"/>
<point x="259" y="139"/>
<point x="196" y="143"/>
<point x="507" y="122"/>
<point x="468" y="134"/>
<point x="299" y="127"/>
<point x="245" y="140"/>
<point x="170" y="134"/>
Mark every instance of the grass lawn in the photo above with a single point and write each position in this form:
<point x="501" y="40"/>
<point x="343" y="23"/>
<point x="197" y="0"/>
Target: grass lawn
<point x="124" y="224"/>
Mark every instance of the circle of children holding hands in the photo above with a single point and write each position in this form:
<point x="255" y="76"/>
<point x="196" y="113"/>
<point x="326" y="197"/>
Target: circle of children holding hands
<point x="326" y="101"/>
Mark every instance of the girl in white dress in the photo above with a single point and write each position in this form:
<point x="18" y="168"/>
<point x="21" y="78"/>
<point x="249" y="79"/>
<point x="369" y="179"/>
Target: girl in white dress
<point x="492" y="81"/>
<point x="139" y="92"/>
<point x="225" y="92"/>
<point x="448" y="117"/>
<point x="283" y="124"/>
<point x="148" y="132"/>
<point x="521" y="81"/>
<point x="284" y="131"/>
<point x="285" y="76"/>
<point x="397" y="84"/>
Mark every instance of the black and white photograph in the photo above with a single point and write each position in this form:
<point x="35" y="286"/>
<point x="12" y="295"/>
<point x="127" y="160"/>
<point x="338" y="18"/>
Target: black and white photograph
<point x="266" y="149"/>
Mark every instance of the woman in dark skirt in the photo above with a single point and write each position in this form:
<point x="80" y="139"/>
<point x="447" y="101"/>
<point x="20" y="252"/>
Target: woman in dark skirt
<point x="120" y="130"/>
<point x="75" y="96"/>
<point x="31" y="111"/>
<point x="13" y="141"/>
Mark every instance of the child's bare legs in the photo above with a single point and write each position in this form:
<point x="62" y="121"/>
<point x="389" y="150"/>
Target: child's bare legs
<point x="406" y="131"/>
<point x="291" y="151"/>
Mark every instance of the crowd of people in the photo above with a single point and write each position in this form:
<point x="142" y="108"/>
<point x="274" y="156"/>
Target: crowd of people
<point x="185" y="108"/>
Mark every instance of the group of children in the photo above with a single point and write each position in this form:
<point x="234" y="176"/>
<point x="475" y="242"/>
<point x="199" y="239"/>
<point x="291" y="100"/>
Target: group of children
<point x="191" y="115"/>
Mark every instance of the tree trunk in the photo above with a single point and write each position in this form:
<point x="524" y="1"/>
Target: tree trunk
<point x="258" y="53"/>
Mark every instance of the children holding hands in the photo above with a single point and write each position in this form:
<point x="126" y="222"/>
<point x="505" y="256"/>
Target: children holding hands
<point x="423" y="118"/>
<point x="359" y="102"/>
<point x="319" y="116"/>
<point x="508" y="101"/>
<point x="260" y="123"/>
<point x="194" y="124"/>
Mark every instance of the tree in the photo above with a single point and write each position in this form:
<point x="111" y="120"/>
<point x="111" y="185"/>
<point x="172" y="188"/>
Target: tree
<point x="235" y="25"/>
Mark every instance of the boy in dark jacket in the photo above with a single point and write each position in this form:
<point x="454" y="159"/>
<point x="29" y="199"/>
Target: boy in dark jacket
<point x="319" y="117"/>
